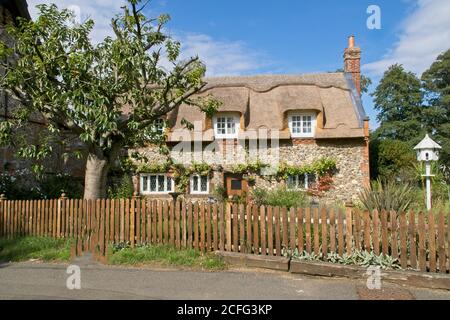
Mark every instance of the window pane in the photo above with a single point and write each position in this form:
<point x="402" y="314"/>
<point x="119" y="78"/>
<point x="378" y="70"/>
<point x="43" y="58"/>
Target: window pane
<point x="312" y="179"/>
<point x="153" y="183"/>
<point x="161" y="181"/>
<point x="291" y="182"/>
<point x="204" y="184"/>
<point x="144" y="183"/>
<point x="195" y="183"/>
<point x="307" y="124"/>
<point x="221" y="122"/>
<point x="236" y="184"/>
<point x="296" y="124"/>
<point x="169" y="184"/>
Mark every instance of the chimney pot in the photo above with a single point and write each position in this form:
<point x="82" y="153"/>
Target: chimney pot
<point x="352" y="62"/>
<point x="351" y="41"/>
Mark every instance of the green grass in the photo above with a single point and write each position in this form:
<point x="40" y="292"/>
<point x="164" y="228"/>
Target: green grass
<point x="42" y="248"/>
<point x="164" y="255"/>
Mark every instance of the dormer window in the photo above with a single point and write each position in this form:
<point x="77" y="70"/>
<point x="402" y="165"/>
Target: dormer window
<point x="226" y="126"/>
<point x="302" y="124"/>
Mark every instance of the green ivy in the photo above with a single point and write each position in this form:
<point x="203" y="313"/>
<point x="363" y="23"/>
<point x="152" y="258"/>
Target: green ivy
<point x="249" y="167"/>
<point x="320" y="167"/>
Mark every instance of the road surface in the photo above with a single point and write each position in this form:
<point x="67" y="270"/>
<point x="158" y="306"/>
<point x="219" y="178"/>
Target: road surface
<point x="33" y="280"/>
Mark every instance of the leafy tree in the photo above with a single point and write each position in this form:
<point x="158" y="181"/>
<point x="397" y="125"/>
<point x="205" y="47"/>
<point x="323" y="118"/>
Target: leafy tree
<point x="391" y="159"/>
<point x="436" y="81"/>
<point x="108" y="95"/>
<point x="398" y="99"/>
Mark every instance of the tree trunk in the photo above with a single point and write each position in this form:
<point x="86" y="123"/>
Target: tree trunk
<point x="97" y="167"/>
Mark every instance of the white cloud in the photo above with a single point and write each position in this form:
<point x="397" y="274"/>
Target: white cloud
<point x="425" y="34"/>
<point x="220" y="57"/>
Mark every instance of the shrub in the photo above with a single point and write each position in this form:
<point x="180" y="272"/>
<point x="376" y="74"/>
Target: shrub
<point x="122" y="189"/>
<point x="280" y="197"/>
<point x="387" y="195"/>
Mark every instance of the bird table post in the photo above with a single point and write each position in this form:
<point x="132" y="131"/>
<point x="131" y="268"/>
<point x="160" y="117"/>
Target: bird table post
<point x="427" y="151"/>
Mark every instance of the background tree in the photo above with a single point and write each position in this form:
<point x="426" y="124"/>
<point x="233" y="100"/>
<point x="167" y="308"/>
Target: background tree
<point x="436" y="81"/>
<point x="108" y="95"/>
<point x="398" y="99"/>
<point x="392" y="159"/>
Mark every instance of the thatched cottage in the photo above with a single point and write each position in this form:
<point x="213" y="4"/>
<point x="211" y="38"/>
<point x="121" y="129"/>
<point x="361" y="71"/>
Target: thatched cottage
<point x="308" y="132"/>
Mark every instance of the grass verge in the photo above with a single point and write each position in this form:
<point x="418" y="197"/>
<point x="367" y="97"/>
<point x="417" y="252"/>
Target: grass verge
<point x="164" y="255"/>
<point x="42" y="248"/>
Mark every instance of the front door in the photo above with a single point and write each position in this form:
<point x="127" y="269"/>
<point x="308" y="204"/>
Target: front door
<point x="236" y="185"/>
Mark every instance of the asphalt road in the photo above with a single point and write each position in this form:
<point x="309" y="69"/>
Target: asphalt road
<point x="32" y="280"/>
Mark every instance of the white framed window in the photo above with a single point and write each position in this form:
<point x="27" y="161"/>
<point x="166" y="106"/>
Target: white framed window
<point x="301" y="181"/>
<point x="226" y="126"/>
<point x="302" y="124"/>
<point x="154" y="183"/>
<point x="199" y="184"/>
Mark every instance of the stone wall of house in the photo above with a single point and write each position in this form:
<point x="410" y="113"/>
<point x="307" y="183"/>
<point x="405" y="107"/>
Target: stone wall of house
<point x="350" y="155"/>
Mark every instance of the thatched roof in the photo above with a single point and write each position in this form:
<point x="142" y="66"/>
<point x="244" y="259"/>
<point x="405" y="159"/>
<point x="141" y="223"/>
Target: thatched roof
<point x="265" y="99"/>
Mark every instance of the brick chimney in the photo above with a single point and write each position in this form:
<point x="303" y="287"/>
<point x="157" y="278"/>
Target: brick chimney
<point x="352" y="62"/>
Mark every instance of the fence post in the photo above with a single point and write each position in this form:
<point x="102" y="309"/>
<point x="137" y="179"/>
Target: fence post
<point x="2" y="215"/>
<point x="61" y="201"/>
<point x="349" y="226"/>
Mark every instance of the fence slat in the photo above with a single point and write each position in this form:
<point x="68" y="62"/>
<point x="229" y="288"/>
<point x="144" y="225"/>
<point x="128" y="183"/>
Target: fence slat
<point x="384" y="232"/>
<point x="349" y="226"/>
<point x="166" y="231"/>
<point x="208" y="222"/>
<point x="255" y="230"/>
<point x="229" y="240"/>
<point x="284" y="217"/>
<point x="137" y="221"/>
<point x="324" y="232"/>
<point x="403" y="240"/>
<point x="177" y="225"/>
<point x="422" y="248"/>
<point x="215" y="228"/>
<point x="155" y="224"/>
<point x="195" y="225"/>
<point x="316" y="231"/>
<point x="190" y="217"/>
<point x="159" y="209"/>
<point x="242" y="241"/>
<point x="432" y="241"/>
<point x="249" y="228"/>
<point x="235" y="224"/>
<point x="263" y="229"/>
<point x="357" y="229"/>
<point x="292" y="225"/>
<point x="441" y="242"/>
<point x="202" y="227"/>
<point x="184" y="224"/>
<point x="270" y="229"/>
<point x="221" y="228"/>
<point x="300" y="230"/>
<point x="394" y="235"/>
<point x="102" y="234"/>
<point x="122" y="220"/>
<point x="366" y="218"/>
<point x="277" y="231"/>
<point x="308" y="229"/>
<point x="376" y="232"/>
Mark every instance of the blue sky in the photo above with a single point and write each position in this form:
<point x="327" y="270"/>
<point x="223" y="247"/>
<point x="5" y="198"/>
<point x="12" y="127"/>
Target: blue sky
<point x="294" y="36"/>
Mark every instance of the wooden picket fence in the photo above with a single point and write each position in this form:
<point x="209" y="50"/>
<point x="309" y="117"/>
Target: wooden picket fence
<point x="419" y="240"/>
